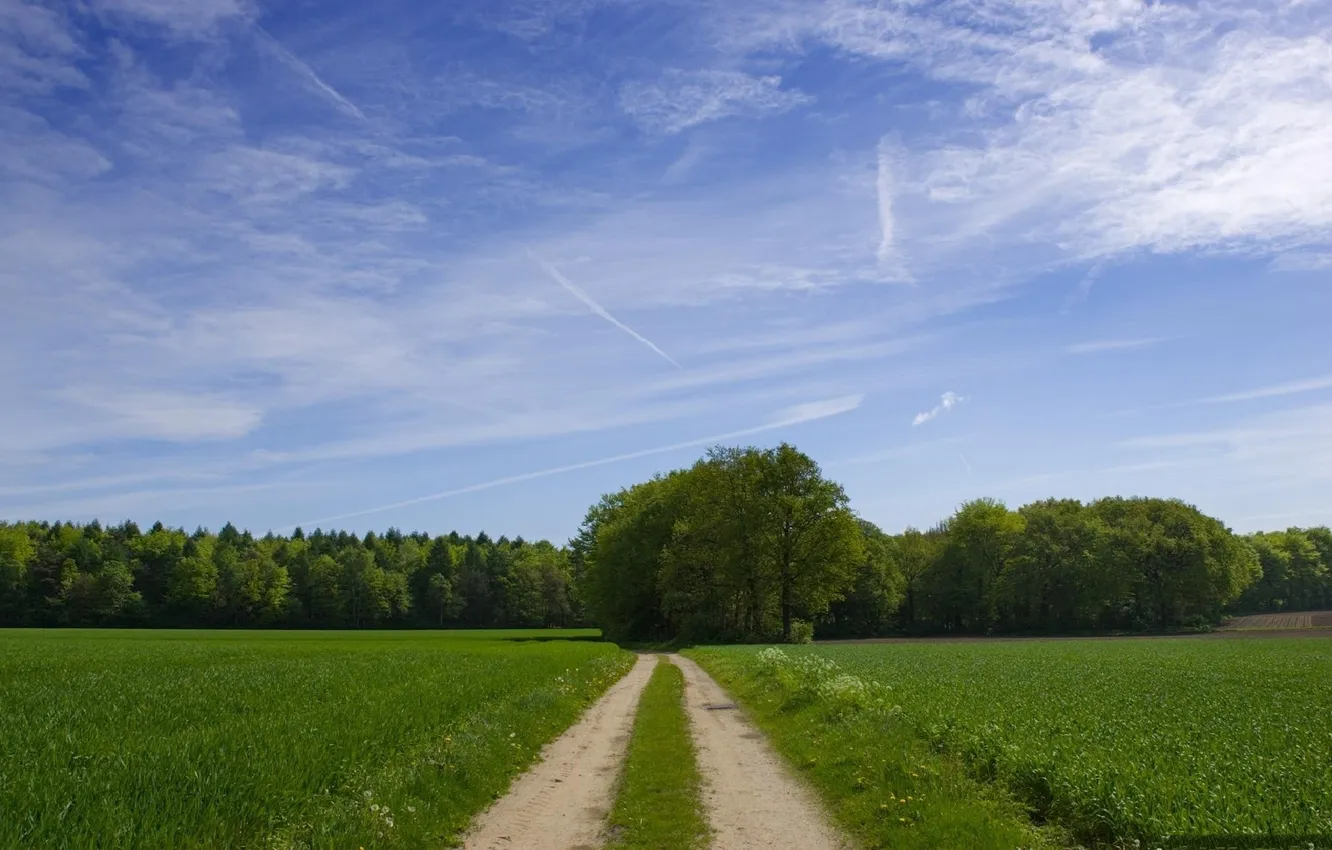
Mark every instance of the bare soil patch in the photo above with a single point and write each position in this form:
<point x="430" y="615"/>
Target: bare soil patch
<point x="1292" y="621"/>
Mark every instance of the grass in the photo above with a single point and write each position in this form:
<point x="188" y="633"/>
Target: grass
<point x="120" y="739"/>
<point x="1110" y="741"/>
<point x="658" y="807"/>
<point x="880" y="781"/>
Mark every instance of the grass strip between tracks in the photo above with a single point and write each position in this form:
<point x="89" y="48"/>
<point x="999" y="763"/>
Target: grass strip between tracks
<point x="658" y="804"/>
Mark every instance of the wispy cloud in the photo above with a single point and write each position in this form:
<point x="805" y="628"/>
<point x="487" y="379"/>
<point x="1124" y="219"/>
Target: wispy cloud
<point x="596" y="308"/>
<point x="947" y="402"/>
<point x="1292" y="446"/>
<point x="1102" y="128"/>
<point x="239" y="242"/>
<point x="800" y="414"/>
<point x="184" y="18"/>
<point x="1096" y="346"/>
<point x="679" y="99"/>
<point x="887" y="224"/>
<point x="1303" y="261"/>
<point x="169" y="416"/>
<point x="1306" y="385"/>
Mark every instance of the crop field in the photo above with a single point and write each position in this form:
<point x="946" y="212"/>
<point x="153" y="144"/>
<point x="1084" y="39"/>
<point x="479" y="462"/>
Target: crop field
<point x="115" y="739"/>
<point x="1108" y="740"/>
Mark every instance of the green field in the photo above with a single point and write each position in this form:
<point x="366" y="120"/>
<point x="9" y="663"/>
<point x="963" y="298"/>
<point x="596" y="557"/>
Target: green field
<point x="1107" y="740"/>
<point x="115" y="739"/>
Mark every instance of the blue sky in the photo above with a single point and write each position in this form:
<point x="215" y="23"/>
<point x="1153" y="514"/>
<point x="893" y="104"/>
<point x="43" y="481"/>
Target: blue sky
<point x="471" y="264"/>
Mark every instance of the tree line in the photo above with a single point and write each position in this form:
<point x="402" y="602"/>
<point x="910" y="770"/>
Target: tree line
<point x="756" y="545"/>
<point x="745" y="545"/>
<point x="87" y="575"/>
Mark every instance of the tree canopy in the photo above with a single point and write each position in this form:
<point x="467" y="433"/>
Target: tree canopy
<point x="65" y="574"/>
<point x="752" y="544"/>
<point x="745" y="545"/>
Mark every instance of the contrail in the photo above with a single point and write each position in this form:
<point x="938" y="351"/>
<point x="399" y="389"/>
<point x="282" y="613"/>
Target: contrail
<point x="601" y="311"/>
<point x="890" y="257"/>
<point x="291" y="60"/>
<point x="963" y="458"/>
<point x="884" y="185"/>
<point x="800" y="414"/>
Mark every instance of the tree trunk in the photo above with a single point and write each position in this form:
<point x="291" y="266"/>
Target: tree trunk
<point x="786" y="610"/>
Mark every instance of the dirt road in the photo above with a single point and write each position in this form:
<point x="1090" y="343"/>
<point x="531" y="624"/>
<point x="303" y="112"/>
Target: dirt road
<point x="562" y="802"/>
<point x="752" y="800"/>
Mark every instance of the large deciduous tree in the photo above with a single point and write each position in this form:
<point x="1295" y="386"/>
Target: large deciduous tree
<point x="737" y="547"/>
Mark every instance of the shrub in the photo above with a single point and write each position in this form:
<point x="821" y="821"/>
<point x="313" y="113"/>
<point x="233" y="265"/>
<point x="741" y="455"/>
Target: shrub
<point x="802" y="631"/>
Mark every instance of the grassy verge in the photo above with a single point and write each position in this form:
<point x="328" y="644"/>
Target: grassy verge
<point x="658" y="806"/>
<point x="879" y="779"/>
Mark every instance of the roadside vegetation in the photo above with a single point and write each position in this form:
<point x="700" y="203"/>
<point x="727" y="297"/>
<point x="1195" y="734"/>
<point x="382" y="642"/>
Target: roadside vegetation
<point x="658" y="805"/>
<point x="881" y="782"/>
<point x="1102" y="741"/>
<point x="177" y="739"/>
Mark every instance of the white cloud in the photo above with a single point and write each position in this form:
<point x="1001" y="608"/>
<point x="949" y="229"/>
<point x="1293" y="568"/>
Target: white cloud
<point x="887" y="223"/>
<point x="1303" y="261"/>
<point x="34" y="151"/>
<point x="37" y="52"/>
<point x="1292" y="446"/>
<point x="681" y="99"/>
<point x="260" y="175"/>
<point x="237" y="262"/>
<point x="822" y="409"/>
<point x="1100" y="345"/>
<point x="1307" y="385"/>
<point x="169" y="416"/>
<point x="1101" y="128"/>
<point x="189" y="18"/>
<point x="947" y="402"/>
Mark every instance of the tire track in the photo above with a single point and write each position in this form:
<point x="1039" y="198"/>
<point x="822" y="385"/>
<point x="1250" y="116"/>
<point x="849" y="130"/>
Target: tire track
<point x="562" y="802"/>
<point x="752" y="800"/>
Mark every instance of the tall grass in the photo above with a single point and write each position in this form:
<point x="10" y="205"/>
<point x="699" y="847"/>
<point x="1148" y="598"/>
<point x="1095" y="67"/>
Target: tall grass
<point x="160" y="739"/>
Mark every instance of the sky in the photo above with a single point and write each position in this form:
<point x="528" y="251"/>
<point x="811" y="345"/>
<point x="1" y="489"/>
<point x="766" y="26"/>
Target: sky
<point x="470" y="265"/>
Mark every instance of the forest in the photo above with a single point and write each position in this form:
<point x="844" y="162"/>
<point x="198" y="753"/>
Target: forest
<point x="745" y="545"/>
<point x="66" y="574"/>
<point x="757" y="545"/>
